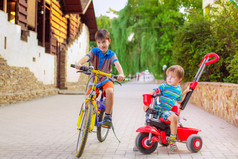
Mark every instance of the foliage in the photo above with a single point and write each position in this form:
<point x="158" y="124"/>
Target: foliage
<point x="203" y="34"/>
<point x="151" y="33"/>
<point x="153" y="24"/>
<point x="226" y="31"/>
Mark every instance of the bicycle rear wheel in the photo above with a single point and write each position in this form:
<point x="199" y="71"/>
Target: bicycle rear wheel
<point x="84" y="129"/>
<point x="102" y="132"/>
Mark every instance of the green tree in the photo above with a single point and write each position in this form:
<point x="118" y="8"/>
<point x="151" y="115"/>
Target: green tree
<point x="153" y="24"/>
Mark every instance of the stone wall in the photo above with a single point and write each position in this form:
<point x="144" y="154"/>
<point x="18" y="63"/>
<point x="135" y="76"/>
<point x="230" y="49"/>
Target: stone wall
<point x="20" y="84"/>
<point x="220" y="99"/>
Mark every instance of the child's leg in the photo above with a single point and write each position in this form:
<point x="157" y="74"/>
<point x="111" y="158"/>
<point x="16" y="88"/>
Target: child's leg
<point x="173" y="128"/>
<point x="108" y="90"/>
<point x="173" y="118"/>
<point x="109" y="103"/>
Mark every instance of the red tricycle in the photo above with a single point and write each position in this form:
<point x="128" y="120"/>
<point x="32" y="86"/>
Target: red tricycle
<point x="158" y="130"/>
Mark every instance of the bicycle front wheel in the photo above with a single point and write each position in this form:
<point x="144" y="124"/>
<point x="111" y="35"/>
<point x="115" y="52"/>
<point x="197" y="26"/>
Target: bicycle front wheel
<point x="84" y="129"/>
<point x="102" y="132"/>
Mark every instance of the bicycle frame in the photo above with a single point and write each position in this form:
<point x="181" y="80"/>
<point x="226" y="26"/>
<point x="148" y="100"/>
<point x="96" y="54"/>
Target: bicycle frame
<point x="92" y="99"/>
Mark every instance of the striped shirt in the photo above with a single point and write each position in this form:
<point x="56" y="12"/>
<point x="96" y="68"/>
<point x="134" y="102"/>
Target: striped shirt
<point x="101" y="62"/>
<point x="170" y="94"/>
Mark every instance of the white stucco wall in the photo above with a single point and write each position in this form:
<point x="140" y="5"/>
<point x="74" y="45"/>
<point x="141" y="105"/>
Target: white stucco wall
<point x="75" y="52"/>
<point x="20" y="53"/>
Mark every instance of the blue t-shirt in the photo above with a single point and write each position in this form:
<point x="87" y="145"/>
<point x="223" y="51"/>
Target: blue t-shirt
<point x="101" y="62"/>
<point x="170" y="94"/>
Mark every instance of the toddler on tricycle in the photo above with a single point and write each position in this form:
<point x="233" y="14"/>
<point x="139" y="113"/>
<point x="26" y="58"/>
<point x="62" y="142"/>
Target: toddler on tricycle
<point x="162" y="120"/>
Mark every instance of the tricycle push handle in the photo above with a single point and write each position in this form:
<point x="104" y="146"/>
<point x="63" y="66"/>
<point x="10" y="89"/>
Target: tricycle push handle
<point x="205" y="61"/>
<point x="185" y="101"/>
<point x="209" y="56"/>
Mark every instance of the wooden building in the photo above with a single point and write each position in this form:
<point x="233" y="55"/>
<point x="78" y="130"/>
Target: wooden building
<point x="39" y="40"/>
<point x="57" y="22"/>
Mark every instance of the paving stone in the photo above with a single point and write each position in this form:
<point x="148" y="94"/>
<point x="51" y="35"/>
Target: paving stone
<point x="46" y="128"/>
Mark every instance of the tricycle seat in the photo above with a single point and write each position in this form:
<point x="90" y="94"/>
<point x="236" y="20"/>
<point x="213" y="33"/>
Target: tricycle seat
<point x="174" y="109"/>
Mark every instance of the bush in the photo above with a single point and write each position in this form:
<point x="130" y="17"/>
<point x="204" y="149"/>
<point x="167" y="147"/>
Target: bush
<point x="204" y="34"/>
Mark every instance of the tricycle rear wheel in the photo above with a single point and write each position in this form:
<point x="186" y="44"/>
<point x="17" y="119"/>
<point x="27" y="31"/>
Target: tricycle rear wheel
<point x="194" y="143"/>
<point x="144" y="145"/>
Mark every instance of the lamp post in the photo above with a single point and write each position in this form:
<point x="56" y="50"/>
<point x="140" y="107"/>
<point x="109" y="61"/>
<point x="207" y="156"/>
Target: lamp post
<point x="164" y="68"/>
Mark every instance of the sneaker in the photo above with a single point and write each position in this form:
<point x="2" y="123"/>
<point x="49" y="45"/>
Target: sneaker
<point x="107" y="122"/>
<point x="172" y="145"/>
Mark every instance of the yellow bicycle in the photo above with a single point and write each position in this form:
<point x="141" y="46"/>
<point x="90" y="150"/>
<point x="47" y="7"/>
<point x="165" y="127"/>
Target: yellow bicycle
<point x="92" y="111"/>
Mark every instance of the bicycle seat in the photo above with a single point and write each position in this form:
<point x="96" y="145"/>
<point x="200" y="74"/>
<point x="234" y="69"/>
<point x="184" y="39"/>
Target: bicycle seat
<point x="177" y="112"/>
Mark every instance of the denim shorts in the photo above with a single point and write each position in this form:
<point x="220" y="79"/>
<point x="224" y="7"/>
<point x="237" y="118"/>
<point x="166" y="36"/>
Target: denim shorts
<point x="163" y="113"/>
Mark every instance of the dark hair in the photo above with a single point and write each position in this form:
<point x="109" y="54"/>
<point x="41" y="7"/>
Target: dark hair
<point x="176" y="69"/>
<point x="102" y="34"/>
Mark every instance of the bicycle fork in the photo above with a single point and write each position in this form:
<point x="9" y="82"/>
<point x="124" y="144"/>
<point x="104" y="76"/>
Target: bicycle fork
<point x="81" y="114"/>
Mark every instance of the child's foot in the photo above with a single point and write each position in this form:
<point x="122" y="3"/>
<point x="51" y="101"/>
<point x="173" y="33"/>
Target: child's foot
<point x="173" y="146"/>
<point x="107" y="122"/>
<point x="172" y="143"/>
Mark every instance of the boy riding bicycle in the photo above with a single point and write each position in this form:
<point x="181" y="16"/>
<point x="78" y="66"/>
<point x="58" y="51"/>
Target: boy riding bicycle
<point x="101" y="58"/>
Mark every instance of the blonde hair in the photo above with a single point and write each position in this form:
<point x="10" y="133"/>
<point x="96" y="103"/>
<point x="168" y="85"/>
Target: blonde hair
<point x="178" y="70"/>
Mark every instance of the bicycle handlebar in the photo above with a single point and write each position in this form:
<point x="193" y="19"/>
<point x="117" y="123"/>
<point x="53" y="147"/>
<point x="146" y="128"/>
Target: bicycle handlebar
<point x="85" y="70"/>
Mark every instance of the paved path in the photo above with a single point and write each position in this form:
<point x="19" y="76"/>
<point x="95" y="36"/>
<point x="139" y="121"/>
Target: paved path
<point x="46" y="128"/>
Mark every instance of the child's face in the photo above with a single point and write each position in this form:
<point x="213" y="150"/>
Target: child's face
<point x="103" y="44"/>
<point x="172" y="79"/>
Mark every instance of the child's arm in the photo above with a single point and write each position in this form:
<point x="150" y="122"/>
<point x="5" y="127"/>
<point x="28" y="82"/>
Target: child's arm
<point x="120" y="71"/>
<point x="184" y="94"/>
<point x="82" y="61"/>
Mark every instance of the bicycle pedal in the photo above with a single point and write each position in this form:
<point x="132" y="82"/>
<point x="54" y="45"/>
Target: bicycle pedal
<point x="93" y="131"/>
<point x="104" y="126"/>
<point x="107" y="127"/>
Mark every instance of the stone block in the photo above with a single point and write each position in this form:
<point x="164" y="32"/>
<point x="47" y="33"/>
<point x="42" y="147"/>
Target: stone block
<point x="217" y="98"/>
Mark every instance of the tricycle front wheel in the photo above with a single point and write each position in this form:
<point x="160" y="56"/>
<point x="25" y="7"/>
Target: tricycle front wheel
<point x="194" y="143"/>
<point x="144" y="145"/>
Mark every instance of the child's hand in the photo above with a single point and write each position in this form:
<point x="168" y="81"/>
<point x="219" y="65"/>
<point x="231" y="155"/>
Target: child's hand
<point x="145" y="108"/>
<point x="120" y="77"/>
<point x="78" y="66"/>
<point x="187" y="90"/>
